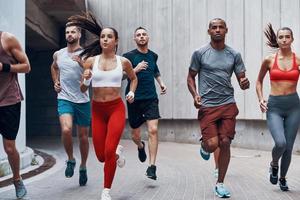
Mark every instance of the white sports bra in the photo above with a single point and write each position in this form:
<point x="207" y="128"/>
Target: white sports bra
<point x="111" y="78"/>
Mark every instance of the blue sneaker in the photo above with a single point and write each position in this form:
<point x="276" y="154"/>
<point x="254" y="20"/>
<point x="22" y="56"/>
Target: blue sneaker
<point x="205" y="155"/>
<point x="70" y="168"/>
<point x="20" y="189"/>
<point x="221" y="191"/>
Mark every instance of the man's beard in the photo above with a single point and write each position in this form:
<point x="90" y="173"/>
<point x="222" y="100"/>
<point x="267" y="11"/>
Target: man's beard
<point x="142" y="45"/>
<point x="72" y="41"/>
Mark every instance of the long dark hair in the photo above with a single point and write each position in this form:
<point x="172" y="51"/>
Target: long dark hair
<point x="87" y="21"/>
<point x="272" y="37"/>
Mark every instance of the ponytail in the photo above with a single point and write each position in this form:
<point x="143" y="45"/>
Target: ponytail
<point x="271" y="37"/>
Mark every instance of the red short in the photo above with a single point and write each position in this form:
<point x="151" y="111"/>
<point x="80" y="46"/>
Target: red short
<point x="218" y="121"/>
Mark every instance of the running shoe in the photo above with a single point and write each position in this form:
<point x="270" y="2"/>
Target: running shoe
<point x="205" y="155"/>
<point x="221" y="191"/>
<point x="83" y="176"/>
<point x="105" y="194"/>
<point x="142" y="153"/>
<point x="283" y="185"/>
<point x="69" y="172"/>
<point x="121" y="159"/>
<point x="216" y="173"/>
<point x="273" y="174"/>
<point x="151" y="172"/>
<point x="20" y="188"/>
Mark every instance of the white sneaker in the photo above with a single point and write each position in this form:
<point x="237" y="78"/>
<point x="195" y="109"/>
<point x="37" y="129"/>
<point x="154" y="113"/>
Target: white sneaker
<point x="105" y="194"/>
<point x="121" y="159"/>
<point x="216" y="173"/>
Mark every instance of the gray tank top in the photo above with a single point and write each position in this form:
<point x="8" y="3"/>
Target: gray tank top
<point x="10" y="92"/>
<point x="70" y="76"/>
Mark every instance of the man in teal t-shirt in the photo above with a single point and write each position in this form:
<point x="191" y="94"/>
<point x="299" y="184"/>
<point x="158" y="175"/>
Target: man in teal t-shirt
<point x="145" y="107"/>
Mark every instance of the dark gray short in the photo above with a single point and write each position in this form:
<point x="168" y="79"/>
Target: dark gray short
<point x="142" y="110"/>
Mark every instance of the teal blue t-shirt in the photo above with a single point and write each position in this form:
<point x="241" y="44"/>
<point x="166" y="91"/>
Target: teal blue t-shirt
<point x="146" y="85"/>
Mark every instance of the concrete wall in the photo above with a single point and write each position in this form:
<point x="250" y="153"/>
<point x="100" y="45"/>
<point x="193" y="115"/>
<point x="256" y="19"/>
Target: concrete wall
<point x="12" y="19"/>
<point x="177" y="28"/>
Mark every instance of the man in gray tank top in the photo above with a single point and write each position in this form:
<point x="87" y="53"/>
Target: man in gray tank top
<point x="214" y="64"/>
<point x="13" y="60"/>
<point x="73" y="105"/>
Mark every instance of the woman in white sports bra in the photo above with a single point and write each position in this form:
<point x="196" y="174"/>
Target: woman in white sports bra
<point x="104" y="70"/>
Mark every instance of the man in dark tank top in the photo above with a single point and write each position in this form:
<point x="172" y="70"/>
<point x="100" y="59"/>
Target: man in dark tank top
<point x="13" y="60"/>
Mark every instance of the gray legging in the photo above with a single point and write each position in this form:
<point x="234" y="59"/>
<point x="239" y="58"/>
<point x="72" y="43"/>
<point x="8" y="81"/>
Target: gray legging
<point x="283" y="118"/>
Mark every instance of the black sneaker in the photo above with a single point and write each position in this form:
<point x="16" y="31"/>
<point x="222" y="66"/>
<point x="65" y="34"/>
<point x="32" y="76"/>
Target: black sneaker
<point x="283" y="185"/>
<point x="82" y="176"/>
<point x="273" y="174"/>
<point x="151" y="172"/>
<point x="142" y="153"/>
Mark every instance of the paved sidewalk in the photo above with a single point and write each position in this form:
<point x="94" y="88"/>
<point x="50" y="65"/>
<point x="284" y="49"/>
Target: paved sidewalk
<point x="182" y="175"/>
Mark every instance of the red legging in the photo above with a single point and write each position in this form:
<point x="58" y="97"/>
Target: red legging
<point x="108" y="122"/>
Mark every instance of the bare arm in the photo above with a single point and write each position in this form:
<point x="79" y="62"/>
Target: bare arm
<point x="127" y="67"/>
<point x="191" y="83"/>
<point x="55" y="74"/>
<point x="298" y="62"/>
<point x="259" y="84"/>
<point x="87" y="74"/>
<point x="163" y="87"/>
<point x="13" y="47"/>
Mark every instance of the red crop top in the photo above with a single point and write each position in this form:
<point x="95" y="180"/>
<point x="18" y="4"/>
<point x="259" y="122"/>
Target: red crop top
<point x="276" y="74"/>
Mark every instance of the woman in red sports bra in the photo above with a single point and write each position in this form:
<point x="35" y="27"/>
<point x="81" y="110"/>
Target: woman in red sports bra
<point x="283" y="105"/>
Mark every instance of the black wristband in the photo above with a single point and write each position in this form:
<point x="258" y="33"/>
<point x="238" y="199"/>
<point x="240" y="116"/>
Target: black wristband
<point x="6" y="67"/>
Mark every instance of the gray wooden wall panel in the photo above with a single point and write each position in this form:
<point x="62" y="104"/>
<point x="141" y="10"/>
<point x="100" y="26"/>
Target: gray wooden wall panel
<point x="236" y="38"/>
<point x="165" y="62"/>
<point x="177" y="28"/>
<point x="253" y="53"/>
<point x="181" y="41"/>
<point x="290" y="17"/>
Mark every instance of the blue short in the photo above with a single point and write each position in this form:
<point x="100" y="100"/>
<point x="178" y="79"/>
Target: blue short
<point x="81" y="112"/>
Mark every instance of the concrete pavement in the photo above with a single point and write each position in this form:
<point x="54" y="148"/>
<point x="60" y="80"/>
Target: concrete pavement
<point x="182" y="175"/>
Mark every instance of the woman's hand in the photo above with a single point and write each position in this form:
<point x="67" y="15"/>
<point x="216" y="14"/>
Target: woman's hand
<point x="263" y="105"/>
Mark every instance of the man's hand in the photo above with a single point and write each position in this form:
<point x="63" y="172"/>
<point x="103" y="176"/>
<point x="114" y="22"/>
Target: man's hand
<point x="57" y="86"/>
<point x="197" y="101"/>
<point x="141" y="66"/>
<point x="244" y="83"/>
<point x="77" y="59"/>
<point x="163" y="89"/>
<point x="130" y="97"/>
